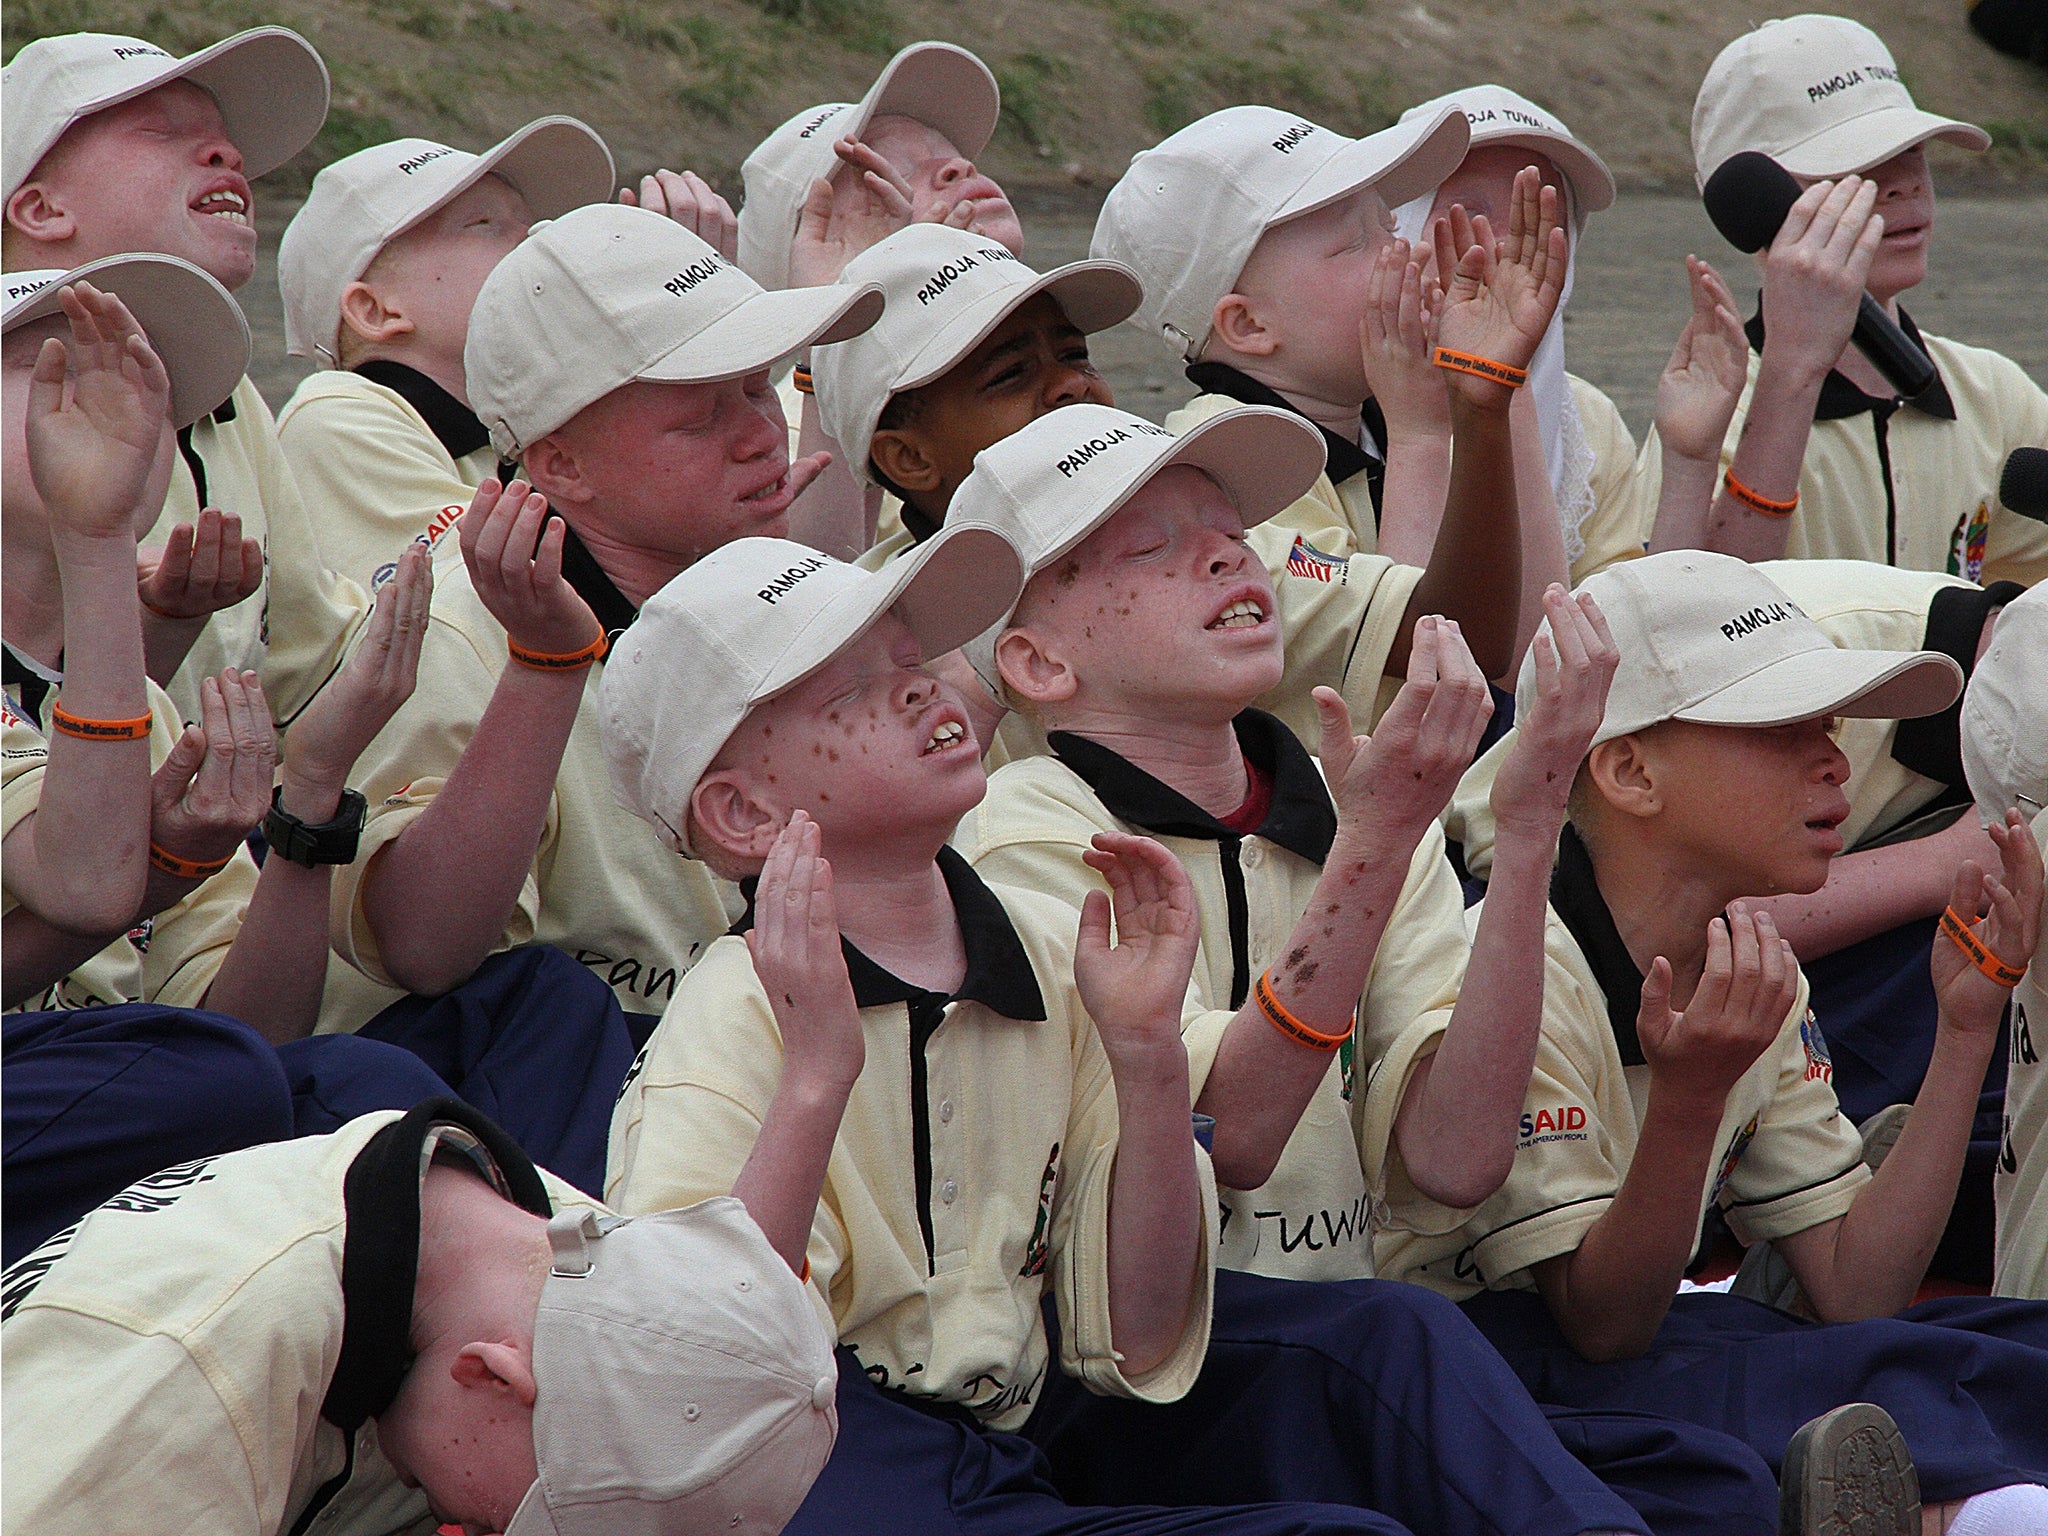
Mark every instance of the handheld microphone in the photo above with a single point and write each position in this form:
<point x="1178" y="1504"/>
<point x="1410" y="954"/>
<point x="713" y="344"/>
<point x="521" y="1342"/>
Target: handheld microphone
<point x="1748" y="197"/>
<point x="2023" y="488"/>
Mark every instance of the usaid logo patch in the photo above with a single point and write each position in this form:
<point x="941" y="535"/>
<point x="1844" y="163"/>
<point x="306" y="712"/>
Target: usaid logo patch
<point x="781" y="586"/>
<point x="1080" y="455"/>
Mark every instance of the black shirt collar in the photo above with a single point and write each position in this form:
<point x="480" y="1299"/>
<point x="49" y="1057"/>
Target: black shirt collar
<point x="452" y="422"/>
<point x="381" y="1249"/>
<point x="1840" y="398"/>
<point x="31" y="684"/>
<point x="1932" y="745"/>
<point x="581" y="570"/>
<point x="1575" y="897"/>
<point x="1346" y="457"/>
<point x="999" y="974"/>
<point x="1301" y="818"/>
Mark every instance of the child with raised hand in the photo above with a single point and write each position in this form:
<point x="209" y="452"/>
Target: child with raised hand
<point x="1680" y="1068"/>
<point x="115" y="147"/>
<point x="1829" y="461"/>
<point x="1575" y="459"/>
<point x="769" y="712"/>
<point x="1255" y="235"/>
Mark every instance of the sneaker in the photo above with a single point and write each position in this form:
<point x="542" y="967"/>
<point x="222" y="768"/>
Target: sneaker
<point x="1848" y="1473"/>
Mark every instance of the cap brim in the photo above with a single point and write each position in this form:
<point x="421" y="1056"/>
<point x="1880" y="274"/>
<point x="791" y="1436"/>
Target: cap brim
<point x="1403" y="162"/>
<point x="556" y="164"/>
<point x="948" y="590"/>
<point x="1882" y="685"/>
<point x="272" y="89"/>
<point x="1265" y="460"/>
<point x="765" y="329"/>
<point x="1851" y="147"/>
<point x="938" y="84"/>
<point x="193" y="324"/>
<point x="533" y="1517"/>
<point x="1094" y="295"/>
<point x="1592" y="182"/>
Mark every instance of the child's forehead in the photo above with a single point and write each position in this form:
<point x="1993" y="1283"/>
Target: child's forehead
<point x="906" y="142"/>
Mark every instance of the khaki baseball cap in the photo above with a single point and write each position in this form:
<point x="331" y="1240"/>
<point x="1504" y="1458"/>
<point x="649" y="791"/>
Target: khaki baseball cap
<point x="1710" y="639"/>
<point x="607" y="295"/>
<point x="943" y="86"/>
<point x="193" y="323"/>
<point x="757" y="617"/>
<point x="361" y="203"/>
<point x="269" y="83"/>
<point x="1821" y="95"/>
<point x="944" y="291"/>
<point x="686" y="1380"/>
<point x="1189" y="211"/>
<point x="1498" y="115"/>
<point x="2005" y="712"/>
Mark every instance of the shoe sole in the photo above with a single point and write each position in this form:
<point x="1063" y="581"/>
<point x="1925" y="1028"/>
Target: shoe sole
<point x="1848" y="1473"/>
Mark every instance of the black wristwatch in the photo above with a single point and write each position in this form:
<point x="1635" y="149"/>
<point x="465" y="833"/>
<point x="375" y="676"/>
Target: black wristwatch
<point x="330" y="842"/>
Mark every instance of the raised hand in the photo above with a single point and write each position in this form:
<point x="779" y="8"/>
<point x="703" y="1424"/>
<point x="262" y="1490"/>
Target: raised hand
<point x="2009" y="905"/>
<point x="324" y="742"/>
<point x="845" y="215"/>
<point x="1134" y="990"/>
<point x="1700" y="385"/>
<point x="1575" y="659"/>
<point x="1736" y="1012"/>
<point x="1396" y="334"/>
<point x="1389" y="786"/>
<point x="1501" y="294"/>
<point x="516" y="566"/>
<point x="98" y="425"/>
<point x="802" y="966"/>
<point x="693" y="203"/>
<point x="201" y="569"/>
<point x="214" y="787"/>
<point x="1815" y="272"/>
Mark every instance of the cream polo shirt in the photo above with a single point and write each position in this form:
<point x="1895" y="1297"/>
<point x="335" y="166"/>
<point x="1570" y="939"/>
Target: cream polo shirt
<point x="1912" y="485"/>
<point x="972" y="1168"/>
<point x="167" y="1359"/>
<point x="603" y="887"/>
<point x="1897" y="768"/>
<point x="1788" y="1157"/>
<point x="2020" y="1264"/>
<point x="1312" y="1219"/>
<point x="295" y="628"/>
<point x="383" y="456"/>
<point x="170" y="958"/>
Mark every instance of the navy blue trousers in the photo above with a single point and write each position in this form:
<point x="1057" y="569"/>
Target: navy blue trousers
<point x="538" y="1043"/>
<point x="1966" y="1377"/>
<point x="1355" y="1407"/>
<point x="96" y="1098"/>
<point x="1875" y="1004"/>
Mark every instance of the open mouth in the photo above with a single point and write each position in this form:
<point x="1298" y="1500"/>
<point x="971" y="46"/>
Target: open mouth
<point x="949" y="733"/>
<point x="225" y="204"/>
<point x="1245" y="613"/>
<point x="770" y="491"/>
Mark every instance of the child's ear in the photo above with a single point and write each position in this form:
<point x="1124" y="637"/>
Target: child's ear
<point x="902" y="459"/>
<point x="364" y="311"/>
<point x="32" y="214"/>
<point x="1623" y="776"/>
<point x="1033" y="673"/>
<point x="1237" y="324"/>
<point x="724" y="812"/>
<point x="551" y="467"/>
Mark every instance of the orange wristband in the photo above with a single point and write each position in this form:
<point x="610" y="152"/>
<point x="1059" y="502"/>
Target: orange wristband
<point x="801" y="378"/>
<point x="186" y="869"/>
<point x="1288" y="1024"/>
<point x="1957" y="927"/>
<point x="99" y="730"/>
<point x="1483" y="367"/>
<point x="560" y="661"/>
<point x="1756" y="502"/>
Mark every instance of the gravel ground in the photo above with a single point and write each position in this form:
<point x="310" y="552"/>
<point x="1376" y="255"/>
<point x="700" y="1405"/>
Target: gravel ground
<point x="1988" y="285"/>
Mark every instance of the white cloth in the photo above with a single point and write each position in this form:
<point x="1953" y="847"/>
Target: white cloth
<point x="1557" y="414"/>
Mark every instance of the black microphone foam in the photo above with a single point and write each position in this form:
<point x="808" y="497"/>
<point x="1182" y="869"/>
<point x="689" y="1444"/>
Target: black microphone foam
<point x="1748" y="197"/>
<point x="2023" y="488"/>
